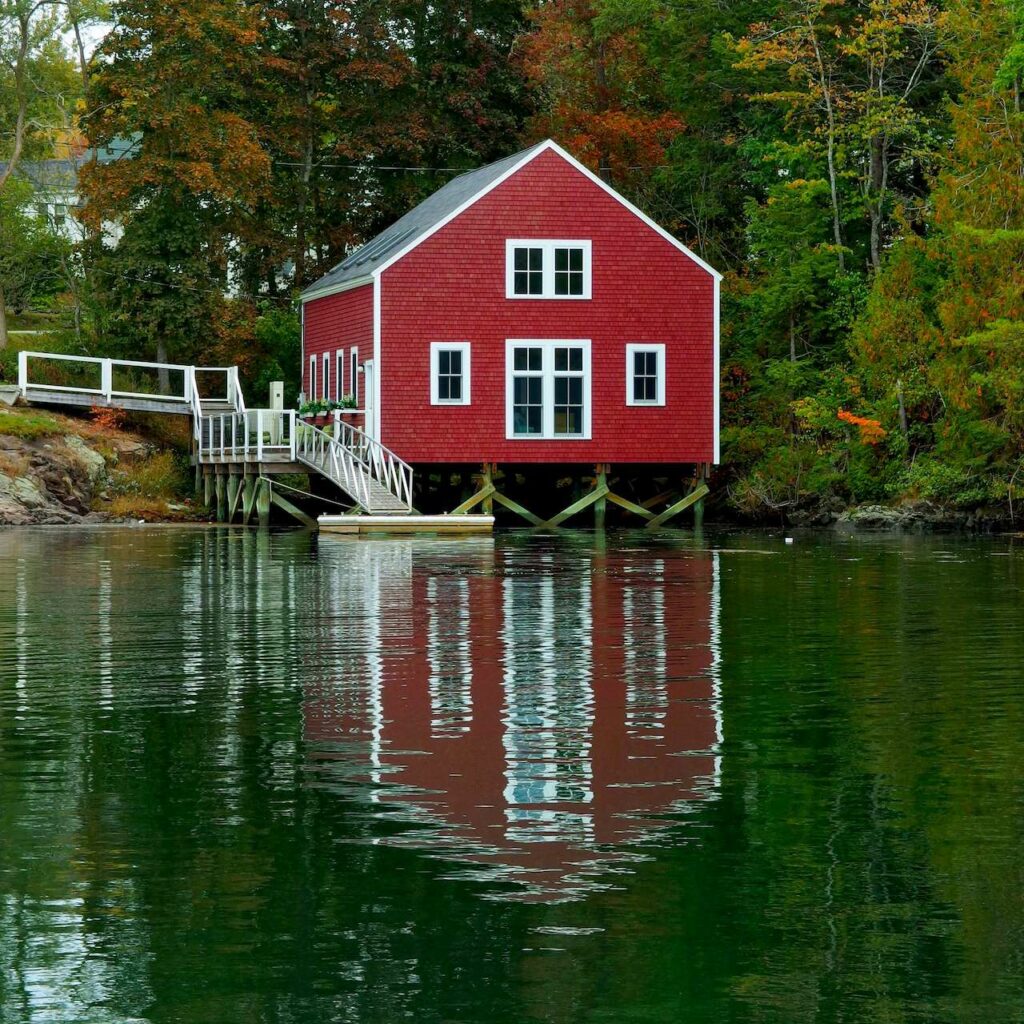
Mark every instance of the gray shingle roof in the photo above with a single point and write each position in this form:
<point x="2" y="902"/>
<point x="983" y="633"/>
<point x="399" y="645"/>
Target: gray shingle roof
<point x="416" y="223"/>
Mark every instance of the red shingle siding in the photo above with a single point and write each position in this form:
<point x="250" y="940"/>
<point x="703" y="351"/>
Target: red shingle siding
<point x="452" y="288"/>
<point x="337" y="322"/>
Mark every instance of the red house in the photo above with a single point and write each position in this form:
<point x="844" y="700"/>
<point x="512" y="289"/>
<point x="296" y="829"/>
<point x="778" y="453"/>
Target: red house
<point x="525" y="313"/>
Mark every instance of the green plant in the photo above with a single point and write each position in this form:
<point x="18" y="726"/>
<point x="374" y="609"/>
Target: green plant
<point x="27" y="425"/>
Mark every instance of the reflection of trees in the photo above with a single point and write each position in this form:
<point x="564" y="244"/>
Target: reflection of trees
<point x="167" y="851"/>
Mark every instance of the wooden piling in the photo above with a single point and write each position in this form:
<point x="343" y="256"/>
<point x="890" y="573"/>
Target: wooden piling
<point x="601" y="504"/>
<point x="222" y="499"/>
<point x="234" y="483"/>
<point x="248" y="497"/>
<point x="263" y="502"/>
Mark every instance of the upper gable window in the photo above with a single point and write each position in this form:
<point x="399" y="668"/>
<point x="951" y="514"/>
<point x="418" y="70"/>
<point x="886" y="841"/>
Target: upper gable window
<point x="547" y="269"/>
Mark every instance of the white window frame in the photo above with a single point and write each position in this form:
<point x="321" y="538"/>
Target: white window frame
<point x="631" y="350"/>
<point x="353" y="364"/>
<point x="548" y="388"/>
<point x="312" y="378"/>
<point x="548" y="246"/>
<point x="339" y="374"/>
<point x="436" y="348"/>
<point x="325" y="384"/>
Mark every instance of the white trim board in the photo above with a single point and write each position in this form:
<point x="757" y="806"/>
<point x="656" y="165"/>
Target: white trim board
<point x="336" y="289"/>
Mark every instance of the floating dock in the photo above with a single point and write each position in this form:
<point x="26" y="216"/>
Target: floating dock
<point x="446" y="524"/>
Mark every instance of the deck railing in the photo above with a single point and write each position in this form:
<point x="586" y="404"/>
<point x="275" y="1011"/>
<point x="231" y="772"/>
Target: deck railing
<point x="253" y="435"/>
<point x="380" y="462"/>
<point x="89" y="375"/>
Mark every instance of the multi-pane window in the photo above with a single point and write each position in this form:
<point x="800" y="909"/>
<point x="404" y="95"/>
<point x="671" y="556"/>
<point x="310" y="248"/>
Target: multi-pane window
<point x="548" y="389"/>
<point x="568" y="379"/>
<point x="545" y="269"/>
<point x="528" y="274"/>
<point x="449" y="373"/>
<point x="528" y="391"/>
<point x="568" y="270"/>
<point x="645" y="374"/>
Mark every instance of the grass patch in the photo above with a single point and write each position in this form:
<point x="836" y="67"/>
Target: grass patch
<point x="28" y="425"/>
<point x="147" y="487"/>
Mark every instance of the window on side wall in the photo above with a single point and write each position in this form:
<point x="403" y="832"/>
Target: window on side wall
<point x="339" y="374"/>
<point x="547" y="390"/>
<point x="326" y="385"/>
<point x="449" y="373"/>
<point x="353" y="366"/>
<point x="312" y="379"/>
<point x="645" y="374"/>
<point x="547" y="269"/>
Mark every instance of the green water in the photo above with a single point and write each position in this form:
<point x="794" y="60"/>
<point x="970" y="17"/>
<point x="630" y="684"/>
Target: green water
<point x="253" y="778"/>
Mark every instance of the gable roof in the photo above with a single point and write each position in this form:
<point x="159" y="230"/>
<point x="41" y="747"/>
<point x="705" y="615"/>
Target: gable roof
<point x="417" y="222"/>
<point x="447" y="203"/>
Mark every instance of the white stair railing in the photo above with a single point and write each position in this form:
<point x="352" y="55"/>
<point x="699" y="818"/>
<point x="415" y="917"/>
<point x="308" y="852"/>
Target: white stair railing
<point x="382" y="464"/>
<point x="316" y="447"/>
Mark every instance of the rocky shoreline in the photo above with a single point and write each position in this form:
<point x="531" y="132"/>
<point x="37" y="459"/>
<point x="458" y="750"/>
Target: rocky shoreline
<point x="59" y="470"/>
<point x="74" y="473"/>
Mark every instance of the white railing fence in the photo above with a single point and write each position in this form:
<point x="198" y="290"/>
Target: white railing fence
<point x="171" y="383"/>
<point x="254" y="434"/>
<point x="335" y="460"/>
<point x="382" y="464"/>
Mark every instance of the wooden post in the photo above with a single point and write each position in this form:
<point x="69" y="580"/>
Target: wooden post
<point x="222" y="503"/>
<point x="698" y="508"/>
<point x="248" y="497"/>
<point x="207" y="487"/>
<point x="488" y="481"/>
<point x="234" y="482"/>
<point x="263" y="502"/>
<point x="601" y="483"/>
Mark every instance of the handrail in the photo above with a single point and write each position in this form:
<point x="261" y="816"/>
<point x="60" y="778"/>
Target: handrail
<point x="323" y="451"/>
<point x="383" y="465"/>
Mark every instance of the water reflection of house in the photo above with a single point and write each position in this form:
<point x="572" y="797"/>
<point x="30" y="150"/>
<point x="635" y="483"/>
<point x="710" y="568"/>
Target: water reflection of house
<point x="537" y="714"/>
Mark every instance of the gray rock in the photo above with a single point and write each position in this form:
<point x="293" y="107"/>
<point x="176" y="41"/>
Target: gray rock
<point x="94" y="463"/>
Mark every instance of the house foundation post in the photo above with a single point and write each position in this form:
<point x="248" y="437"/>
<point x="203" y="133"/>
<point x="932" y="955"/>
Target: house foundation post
<point x="698" y="508"/>
<point x="487" y="480"/>
<point x="207" y="487"/>
<point x="601" y="505"/>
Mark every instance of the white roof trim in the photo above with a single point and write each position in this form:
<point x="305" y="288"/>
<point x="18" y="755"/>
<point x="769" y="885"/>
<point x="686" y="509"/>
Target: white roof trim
<point x="336" y="289"/>
<point x="632" y="209"/>
<point x="405" y="250"/>
<point x="532" y="154"/>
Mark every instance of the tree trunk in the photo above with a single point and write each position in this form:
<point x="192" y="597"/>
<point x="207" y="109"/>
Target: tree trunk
<point x="876" y="197"/>
<point x="3" y="320"/>
<point x="833" y="176"/>
<point x="163" y="377"/>
<point x="903" y="408"/>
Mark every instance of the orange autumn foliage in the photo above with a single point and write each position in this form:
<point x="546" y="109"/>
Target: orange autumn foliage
<point x="871" y="431"/>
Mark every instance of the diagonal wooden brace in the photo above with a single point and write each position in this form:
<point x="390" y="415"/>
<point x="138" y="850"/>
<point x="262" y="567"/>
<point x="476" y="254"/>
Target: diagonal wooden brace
<point x="485" y="492"/>
<point x="630" y="506"/>
<point x="680" y="506"/>
<point x="585" y="502"/>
